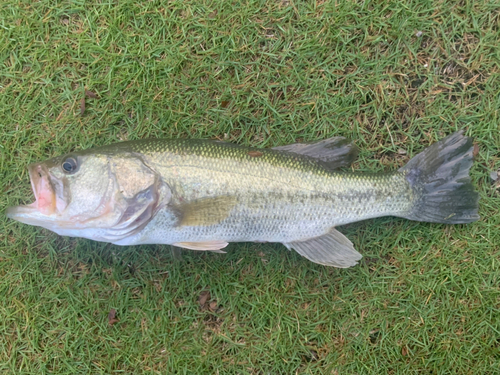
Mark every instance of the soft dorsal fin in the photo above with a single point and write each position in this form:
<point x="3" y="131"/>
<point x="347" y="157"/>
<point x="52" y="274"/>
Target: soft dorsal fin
<point x="331" y="249"/>
<point x="335" y="152"/>
<point x="205" y="211"/>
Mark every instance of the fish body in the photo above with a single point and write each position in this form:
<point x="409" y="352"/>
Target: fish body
<point x="201" y="194"/>
<point x="277" y="196"/>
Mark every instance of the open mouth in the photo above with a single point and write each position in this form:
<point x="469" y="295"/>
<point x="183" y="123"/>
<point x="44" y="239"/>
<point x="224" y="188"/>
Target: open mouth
<point x="45" y="200"/>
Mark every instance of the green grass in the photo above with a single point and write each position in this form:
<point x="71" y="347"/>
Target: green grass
<point x="426" y="297"/>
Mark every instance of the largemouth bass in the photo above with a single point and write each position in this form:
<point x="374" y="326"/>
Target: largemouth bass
<point x="201" y="194"/>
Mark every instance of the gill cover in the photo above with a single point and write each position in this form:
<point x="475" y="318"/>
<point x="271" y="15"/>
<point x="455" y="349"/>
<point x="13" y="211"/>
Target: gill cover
<point x="137" y="196"/>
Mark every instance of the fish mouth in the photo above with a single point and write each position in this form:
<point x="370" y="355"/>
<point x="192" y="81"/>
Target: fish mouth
<point x="45" y="198"/>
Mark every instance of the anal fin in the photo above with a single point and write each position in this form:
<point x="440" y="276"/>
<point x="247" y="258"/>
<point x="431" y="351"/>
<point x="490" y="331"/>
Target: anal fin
<point x="332" y="249"/>
<point x="214" y="246"/>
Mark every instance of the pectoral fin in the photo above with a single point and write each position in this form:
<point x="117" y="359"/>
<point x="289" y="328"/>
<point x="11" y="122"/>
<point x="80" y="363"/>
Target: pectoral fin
<point x="214" y="246"/>
<point x="205" y="211"/>
<point x="335" y="152"/>
<point x="332" y="249"/>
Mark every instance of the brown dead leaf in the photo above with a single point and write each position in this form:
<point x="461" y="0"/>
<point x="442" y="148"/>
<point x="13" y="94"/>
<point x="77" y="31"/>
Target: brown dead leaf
<point x="213" y="305"/>
<point x="475" y="151"/>
<point x="255" y="154"/>
<point x="90" y="94"/>
<point x="203" y="298"/>
<point x="82" y="106"/>
<point x="112" y="319"/>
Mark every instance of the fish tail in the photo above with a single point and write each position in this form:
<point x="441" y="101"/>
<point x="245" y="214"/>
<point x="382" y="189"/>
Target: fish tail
<point x="440" y="179"/>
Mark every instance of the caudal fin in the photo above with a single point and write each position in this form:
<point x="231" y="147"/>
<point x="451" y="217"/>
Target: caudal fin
<point x="440" y="178"/>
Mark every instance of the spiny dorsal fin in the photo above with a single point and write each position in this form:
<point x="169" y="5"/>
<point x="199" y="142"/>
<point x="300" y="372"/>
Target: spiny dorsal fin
<point x="335" y="152"/>
<point x="331" y="249"/>
<point x="205" y="211"/>
<point x="214" y="246"/>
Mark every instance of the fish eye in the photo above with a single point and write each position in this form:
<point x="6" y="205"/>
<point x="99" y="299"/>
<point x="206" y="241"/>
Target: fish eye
<point x="69" y="165"/>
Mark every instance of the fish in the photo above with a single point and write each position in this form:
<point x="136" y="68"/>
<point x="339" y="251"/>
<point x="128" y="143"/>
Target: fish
<point x="204" y="194"/>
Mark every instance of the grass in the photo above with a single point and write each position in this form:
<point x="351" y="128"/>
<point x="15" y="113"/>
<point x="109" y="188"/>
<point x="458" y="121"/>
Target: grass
<point x="392" y="76"/>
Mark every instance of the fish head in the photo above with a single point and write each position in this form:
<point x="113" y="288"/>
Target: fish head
<point x="97" y="195"/>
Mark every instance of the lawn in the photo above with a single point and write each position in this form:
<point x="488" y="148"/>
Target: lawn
<point x="393" y="76"/>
